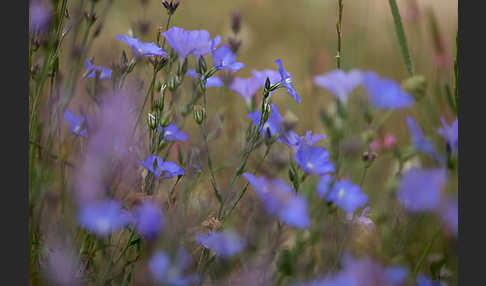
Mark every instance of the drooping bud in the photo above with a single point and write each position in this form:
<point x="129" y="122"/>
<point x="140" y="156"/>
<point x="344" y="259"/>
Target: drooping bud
<point x="199" y="114"/>
<point x="236" y="22"/>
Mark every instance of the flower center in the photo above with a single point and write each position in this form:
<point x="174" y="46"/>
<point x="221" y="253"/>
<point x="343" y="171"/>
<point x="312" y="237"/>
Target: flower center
<point x="341" y="193"/>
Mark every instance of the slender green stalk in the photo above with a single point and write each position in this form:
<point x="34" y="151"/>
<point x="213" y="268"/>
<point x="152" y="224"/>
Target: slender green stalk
<point x="425" y="253"/>
<point x="339" y="33"/>
<point x="402" y="39"/>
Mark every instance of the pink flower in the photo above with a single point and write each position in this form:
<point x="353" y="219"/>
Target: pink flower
<point x="389" y="140"/>
<point x="375" y="145"/>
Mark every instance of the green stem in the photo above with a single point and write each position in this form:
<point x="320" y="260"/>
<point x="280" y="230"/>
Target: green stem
<point x="425" y="253"/>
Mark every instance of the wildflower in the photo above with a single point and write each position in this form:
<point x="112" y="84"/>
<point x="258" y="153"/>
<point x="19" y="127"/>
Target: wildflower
<point x="294" y="141"/>
<point x="313" y="160"/>
<point x="77" y="123"/>
<point x="385" y="93"/>
<point x="141" y="49"/>
<point x="450" y="134"/>
<point x="280" y="201"/>
<point x="172" y="133"/>
<point x="423" y="280"/>
<point x="196" y="42"/>
<point x="448" y="214"/>
<point x="225" y="59"/>
<point x="40" y="14"/>
<point x="274" y="124"/>
<point x="103" y="217"/>
<point x="365" y="221"/>
<point x="156" y="165"/>
<point x="246" y="87"/>
<point x="262" y="76"/>
<point x="171" y="169"/>
<point x="420" y="189"/>
<point x="224" y="244"/>
<point x="347" y="196"/>
<point x="210" y="82"/>
<point x="389" y="140"/>
<point x="286" y="81"/>
<point x="420" y="142"/>
<point x="324" y="185"/>
<point x="92" y="69"/>
<point x="340" y="83"/>
<point x="165" y="272"/>
<point x="149" y="220"/>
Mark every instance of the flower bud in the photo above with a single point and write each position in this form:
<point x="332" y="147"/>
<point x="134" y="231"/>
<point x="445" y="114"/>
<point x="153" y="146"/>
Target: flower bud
<point x="199" y="114"/>
<point x="152" y="121"/>
<point x="161" y="63"/>
<point x="236" y="21"/>
<point x="416" y="85"/>
<point x="201" y="67"/>
<point x="267" y="108"/>
<point x="171" y="6"/>
<point x="368" y="157"/>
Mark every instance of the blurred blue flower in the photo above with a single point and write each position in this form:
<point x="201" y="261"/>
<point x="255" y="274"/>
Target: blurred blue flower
<point x="261" y="76"/>
<point x="224" y="244"/>
<point x="165" y="272"/>
<point x="279" y="200"/>
<point x="40" y="14"/>
<point x="385" y="93"/>
<point x="450" y="134"/>
<point x="149" y="220"/>
<point x="141" y="49"/>
<point x="420" y="189"/>
<point x="210" y="82"/>
<point x="103" y="217"/>
<point x="423" y="280"/>
<point x="286" y="81"/>
<point x="294" y="141"/>
<point x="448" y="214"/>
<point x="185" y="42"/>
<point x="324" y="185"/>
<point x="347" y="196"/>
<point x="170" y="169"/>
<point x="340" y="83"/>
<point x="224" y="59"/>
<point x="76" y="123"/>
<point x="420" y="142"/>
<point x="313" y="160"/>
<point x="246" y="87"/>
<point x="173" y="133"/>
<point x="105" y="73"/>
<point x="274" y="124"/>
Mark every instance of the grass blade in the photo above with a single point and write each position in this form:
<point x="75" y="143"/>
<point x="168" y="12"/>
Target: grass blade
<point x="402" y="39"/>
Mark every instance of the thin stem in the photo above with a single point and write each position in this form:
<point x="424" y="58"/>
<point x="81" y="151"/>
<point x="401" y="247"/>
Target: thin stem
<point x="339" y="33"/>
<point x="425" y="253"/>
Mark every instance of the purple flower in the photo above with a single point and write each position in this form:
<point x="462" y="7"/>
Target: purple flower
<point x="149" y="220"/>
<point x="197" y="42"/>
<point x="156" y="165"/>
<point x="105" y="73"/>
<point x="294" y="141"/>
<point x="76" y="123"/>
<point x="172" y="133"/>
<point x="171" y="169"/>
<point x="141" y="49"/>
<point x="279" y="200"/>
<point x="423" y="280"/>
<point x="103" y="217"/>
<point x="324" y="185"/>
<point x="420" y="190"/>
<point x="448" y="214"/>
<point x="246" y="87"/>
<point x="274" y="124"/>
<point x="40" y="14"/>
<point x="262" y="76"/>
<point x="347" y="196"/>
<point x="286" y="81"/>
<point x="314" y="160"/>
<point x="385" y="93"/>
<point x="210" y="82"/>
<point x="450" y="134"/>
<point x="340" y="83"/>
<point x="168" y="273"/>
<point x="420" y="142"/>
<point x="224" y="59"/>
<point x="224" y="244"/>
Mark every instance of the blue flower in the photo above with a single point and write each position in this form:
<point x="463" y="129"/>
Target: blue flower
<point x="196" y="42"/>
<point x="423" y="280"/>
<point x="141" y="49"/>
<point x="171" y="169"/>
<point x="210" y="82"/>
<point x="76" y="123"/>
<point x="224" y="59"/>
<point x="340" y="83"/>
<point x="347" y="196"/>
<point x="165" y="272"/>
<point x="246" y="87"/>
<point x="103" y="217"/>
<point x="448" y="214"/>
<point x="286" y="81"/>
<point x="274" y="124"/>
<point x="313" y="160"/>
<point x="172" y="133"/>
<point x="149" y="220"/>
<point x="324" y="185"/>
<point x="385" y="93"/>
<point x="224" y="244"/>
<point x="104" y="72"/>
<point x="294" y="141"/>
<point x="420" y="190"/>
<point x="450" y="134"/>
<point x="40" y="16"/>
<point x="262" y="76"/>
<point x="279" y="200"/>
<point x="420" y="142"/>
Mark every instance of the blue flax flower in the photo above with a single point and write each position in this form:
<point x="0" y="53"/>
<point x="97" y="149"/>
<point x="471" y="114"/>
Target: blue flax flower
<point x="286" y="81"/>
<point x="171" y="169"/>
<point x="77" y="124"/>
<point x="246" y="87"/>
<point x="279" y="200"/>
<point x="210" y="82"/>
<point x="340" y="83"/>
<point x="420" y="142"/>
<point x="165" y="271"/>
<point x="262" y="76"/>
<point x="324" y="185"/>
<point x="294" y="141"/>
<point x="224" y="59"/>
<point x="173" y="133"/>
<point x="313" y="160"/>
<point x="141" y="49"/>
<point x="40" y="16"/>
<point x="420" y="189"/>
<point x="450" y="134"/>
<point x="156" y="165"/>
<point x="224" y="244"/>
<point x="149" y="220"/>
<point x="185" y="42"/>
<point x="103" y="217"/>
<point x="347" y="196"/>
<point x="423" y="280"/>
<point x="105" y="73"/>
<point x="385" y="93"/>
<point x="274" y="124"/>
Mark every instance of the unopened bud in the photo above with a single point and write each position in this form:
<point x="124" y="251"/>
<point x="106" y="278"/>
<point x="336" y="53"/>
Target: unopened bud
<point x="267" y="108"/>
<point x="416" y="85"/>
<point x="199" y="114"/>
<point x="170" y="6"/>
<point x="201" y="67"/>
<point x="236" y="22"/>
<point x="152" y="121"/>
<point x="368" y="157"/>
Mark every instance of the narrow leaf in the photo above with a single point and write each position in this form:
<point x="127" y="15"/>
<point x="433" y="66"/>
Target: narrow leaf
<point x="402" y="40"/>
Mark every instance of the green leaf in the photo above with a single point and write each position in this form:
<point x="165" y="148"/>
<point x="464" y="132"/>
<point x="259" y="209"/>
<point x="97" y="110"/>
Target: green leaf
<point x="402" y="39"/>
